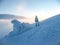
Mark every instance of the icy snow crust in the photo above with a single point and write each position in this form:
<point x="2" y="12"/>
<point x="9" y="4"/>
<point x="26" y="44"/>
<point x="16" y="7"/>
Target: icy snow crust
<point x="48" y="33"/>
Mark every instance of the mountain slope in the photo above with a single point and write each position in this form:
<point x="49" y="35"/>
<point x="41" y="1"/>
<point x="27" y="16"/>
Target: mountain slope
<point x="8" y="16"/>
<point x="48" y="33"/>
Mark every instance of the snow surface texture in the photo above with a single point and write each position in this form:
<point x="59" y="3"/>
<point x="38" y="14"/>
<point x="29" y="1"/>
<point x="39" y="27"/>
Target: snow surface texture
<point x="48" y="33"/>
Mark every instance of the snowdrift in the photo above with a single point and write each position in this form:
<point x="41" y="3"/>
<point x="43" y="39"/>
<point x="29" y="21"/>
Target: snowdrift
<point x="48" y="33"/>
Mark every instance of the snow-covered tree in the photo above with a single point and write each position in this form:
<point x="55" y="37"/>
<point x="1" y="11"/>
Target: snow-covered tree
<point x="16" y="25"/>
<point x="36" y="21"/>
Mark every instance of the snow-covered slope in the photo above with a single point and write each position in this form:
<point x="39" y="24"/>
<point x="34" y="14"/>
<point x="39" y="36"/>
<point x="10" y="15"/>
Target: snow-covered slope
<point x="48" y="33"/>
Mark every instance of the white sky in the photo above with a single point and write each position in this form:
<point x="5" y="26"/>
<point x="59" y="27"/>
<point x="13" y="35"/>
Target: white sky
<point x="30" y="8"/>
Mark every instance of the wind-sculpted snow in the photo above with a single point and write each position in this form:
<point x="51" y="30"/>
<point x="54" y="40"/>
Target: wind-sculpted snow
<point x="19" y="28"/>
<point x="48" y="33"/>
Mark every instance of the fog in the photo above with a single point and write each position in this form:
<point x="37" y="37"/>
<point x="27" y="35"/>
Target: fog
<point x="5" y="27"/>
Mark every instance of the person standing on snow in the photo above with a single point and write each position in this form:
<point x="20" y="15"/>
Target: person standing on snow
<point x="36" y="21"/>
